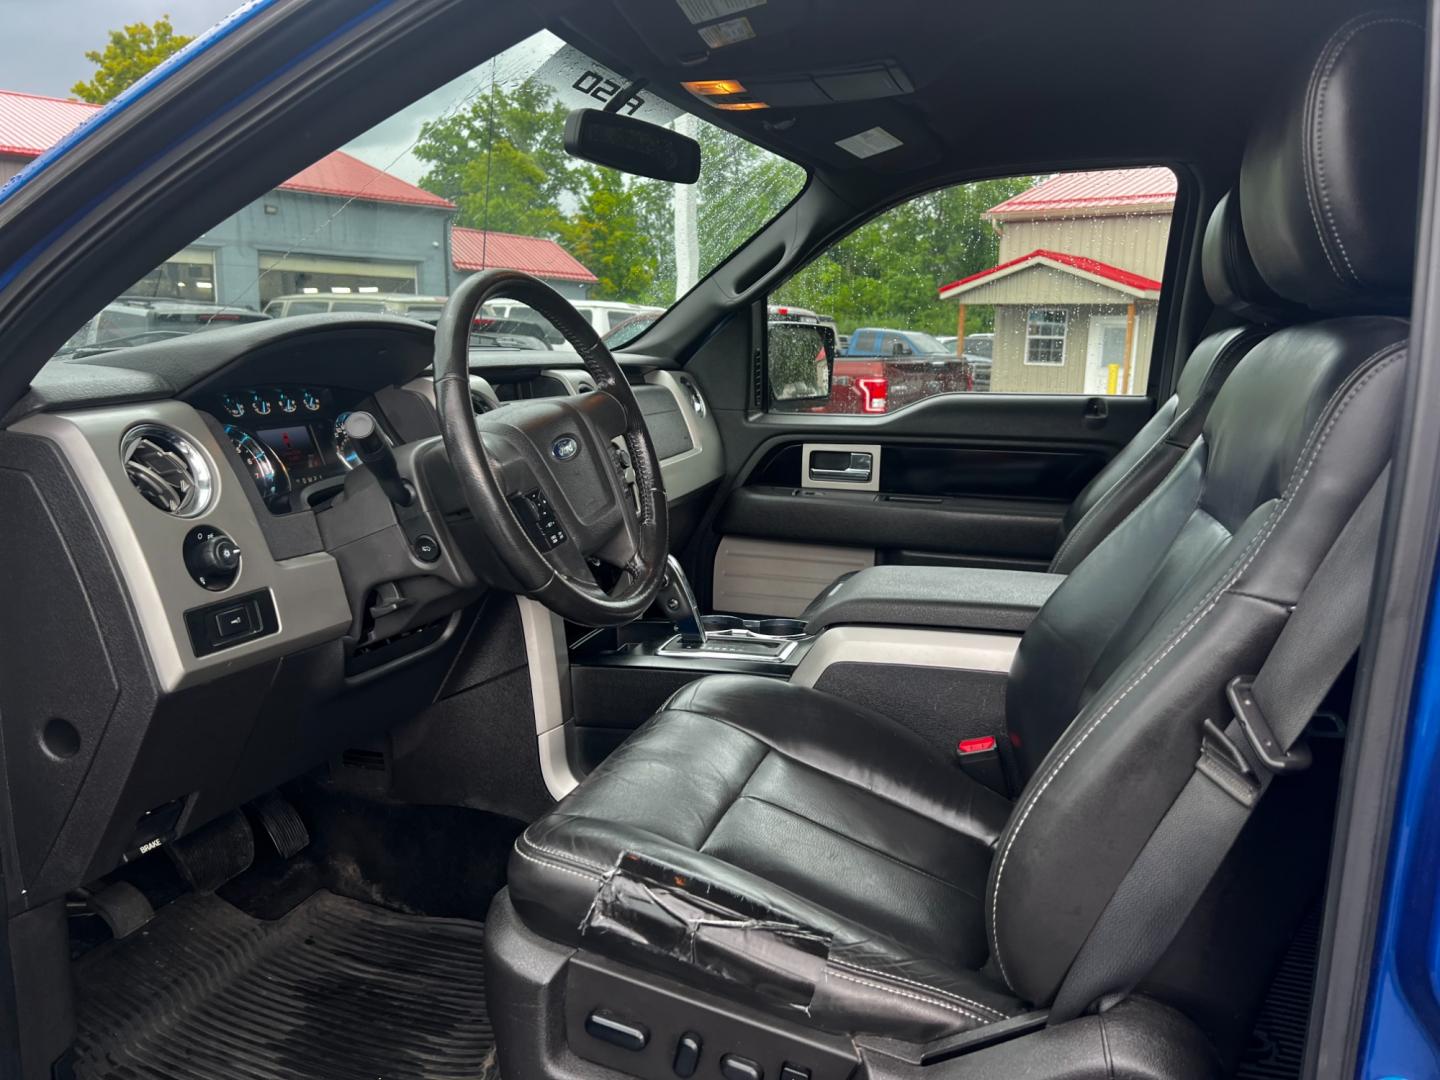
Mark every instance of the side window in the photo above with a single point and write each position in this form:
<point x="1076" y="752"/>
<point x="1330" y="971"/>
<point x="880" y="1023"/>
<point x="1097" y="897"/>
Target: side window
<point x="1021" y="285"/>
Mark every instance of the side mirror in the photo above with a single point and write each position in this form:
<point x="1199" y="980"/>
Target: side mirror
<point x="632" y="146"/>
<point x="801" y="361"/>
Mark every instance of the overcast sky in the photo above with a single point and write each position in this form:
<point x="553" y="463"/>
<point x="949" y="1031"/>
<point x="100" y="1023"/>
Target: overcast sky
<point x="43" y="42"/>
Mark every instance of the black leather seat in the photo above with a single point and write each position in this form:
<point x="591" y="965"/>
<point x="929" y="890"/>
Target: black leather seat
<point x="780" y="847"/>
<point x="1235" y="286"/>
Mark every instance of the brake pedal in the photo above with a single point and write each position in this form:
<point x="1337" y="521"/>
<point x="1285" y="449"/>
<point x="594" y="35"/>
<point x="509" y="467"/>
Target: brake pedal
<point x="282" y="824"/>
<point x="211" y="856"/>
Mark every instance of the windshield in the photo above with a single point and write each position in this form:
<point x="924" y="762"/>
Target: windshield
<point x="470" y="177"/>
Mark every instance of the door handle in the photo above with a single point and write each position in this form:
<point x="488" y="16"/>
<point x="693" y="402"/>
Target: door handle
<point x="858" y="470"/>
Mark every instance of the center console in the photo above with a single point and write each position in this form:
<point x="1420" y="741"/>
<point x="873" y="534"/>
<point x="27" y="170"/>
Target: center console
<point x="930" y="647"/>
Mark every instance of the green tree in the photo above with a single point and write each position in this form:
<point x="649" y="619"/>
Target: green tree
<point x="606" y="234"/>
<point x="886" y="272"/>
<point x="502" y="161"/>
<point x="128" y="56"/>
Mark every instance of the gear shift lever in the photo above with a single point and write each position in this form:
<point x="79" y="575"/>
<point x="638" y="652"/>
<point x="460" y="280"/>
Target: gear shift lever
<point x="677" y="601"/>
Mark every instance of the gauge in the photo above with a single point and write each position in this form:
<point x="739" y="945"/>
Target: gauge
<point x="233" y="405"/>
<point x="286" y="401"/>
<point x="269" y="474"/>
<point x="259" y="403"/>
<point x="310" y="400"/>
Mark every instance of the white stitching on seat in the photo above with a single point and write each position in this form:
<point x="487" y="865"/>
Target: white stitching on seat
<point x="1318" y="82"/>
<point x="1232" y="574"/>
<point x="556" y="866"/>
<point x="913" y="997"/>
<point x="1115" y="487"/>
<point x="920" y="986"/>
<point x="563" y="855"/>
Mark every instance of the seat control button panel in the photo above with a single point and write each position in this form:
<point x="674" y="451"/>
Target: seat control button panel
<point x="611" y="1029"/>
<point x="735" y="1067"/>
<point x="687" y="1054"/>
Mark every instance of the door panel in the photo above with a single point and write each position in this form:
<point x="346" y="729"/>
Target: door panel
<point x="776" y="577"/>
<point x="966" y="480"/>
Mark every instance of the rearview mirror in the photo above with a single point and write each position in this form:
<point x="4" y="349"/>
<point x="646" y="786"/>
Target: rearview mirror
<point x="632" y="146"/>
<point x="801" y="359"/>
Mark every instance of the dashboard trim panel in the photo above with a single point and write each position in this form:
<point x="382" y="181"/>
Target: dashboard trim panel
<point x="146" y="544"/>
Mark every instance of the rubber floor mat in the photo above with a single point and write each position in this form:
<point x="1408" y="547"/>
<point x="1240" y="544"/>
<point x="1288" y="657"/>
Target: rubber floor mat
<point x="1277" y="1045"/>
<point x="335" y="989"/>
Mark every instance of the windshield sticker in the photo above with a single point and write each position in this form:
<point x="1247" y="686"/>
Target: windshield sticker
<point x="731" y="32"/>
<point x="581" y="83"/>
<point x="700" y="11"/>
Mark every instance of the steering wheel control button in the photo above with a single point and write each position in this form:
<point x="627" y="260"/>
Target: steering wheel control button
<point x="212" y="558"/>
<point x="611" y="1029"/>
<point x="793" y="1072"/>
<point x="537" y="518"/>
<point x="735" y="1067"/>
<point x="687" y="1054"/>
<point x="231" y="622"/>
<point x="426" y="548"/>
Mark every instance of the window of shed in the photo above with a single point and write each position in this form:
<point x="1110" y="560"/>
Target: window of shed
<point x="1045" y="336"/>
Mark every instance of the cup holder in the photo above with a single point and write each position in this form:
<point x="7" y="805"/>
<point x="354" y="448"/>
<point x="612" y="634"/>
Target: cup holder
<point x="781" y="628"/>
<point x="716" y="623"/>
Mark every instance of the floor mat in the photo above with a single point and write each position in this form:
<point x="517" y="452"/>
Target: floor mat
<point x="1277" y="1045"/>
<point x="335" y="989"/>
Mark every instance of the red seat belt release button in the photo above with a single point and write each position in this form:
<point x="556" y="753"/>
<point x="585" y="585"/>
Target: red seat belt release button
<point x="975" y="746"/>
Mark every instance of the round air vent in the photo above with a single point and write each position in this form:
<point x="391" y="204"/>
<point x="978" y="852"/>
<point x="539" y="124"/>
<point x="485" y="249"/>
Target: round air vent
<point x="697" y="400"/>
<point x="168" y="470"/>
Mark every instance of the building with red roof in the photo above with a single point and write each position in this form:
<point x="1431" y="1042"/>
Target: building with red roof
<point x="475" y="249"/>
<point x="1076" y="288"/>
<point x="394" y="237"/>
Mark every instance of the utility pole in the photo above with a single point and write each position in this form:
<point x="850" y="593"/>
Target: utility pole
<point x="687" y="235"/>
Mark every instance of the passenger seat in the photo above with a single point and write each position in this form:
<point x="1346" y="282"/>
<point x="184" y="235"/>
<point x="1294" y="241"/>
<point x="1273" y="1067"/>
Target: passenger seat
<point x="1235" y="286"/>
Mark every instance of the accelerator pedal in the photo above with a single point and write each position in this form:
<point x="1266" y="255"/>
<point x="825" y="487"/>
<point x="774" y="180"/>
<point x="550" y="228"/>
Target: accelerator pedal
<point x="282" y="823"/>
<point x="211" y="856"/>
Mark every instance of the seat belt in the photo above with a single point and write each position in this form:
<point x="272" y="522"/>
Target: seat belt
<point x="1236" y="766"/>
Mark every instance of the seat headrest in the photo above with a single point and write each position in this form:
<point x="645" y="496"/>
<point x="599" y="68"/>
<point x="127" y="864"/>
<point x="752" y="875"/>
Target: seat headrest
<point x="1329" y="182"/>
<point x="1231" y="277"/>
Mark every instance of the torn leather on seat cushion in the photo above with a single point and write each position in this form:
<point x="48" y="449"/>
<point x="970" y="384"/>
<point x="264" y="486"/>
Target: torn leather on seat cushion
<point x="667" y="919"/>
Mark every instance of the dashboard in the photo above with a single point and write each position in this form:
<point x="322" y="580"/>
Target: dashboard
<point x="291" y="439"/>
<point x="227" y="599"/>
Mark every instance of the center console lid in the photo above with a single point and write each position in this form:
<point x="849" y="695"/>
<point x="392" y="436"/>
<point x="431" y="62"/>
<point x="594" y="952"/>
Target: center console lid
<point x="949" y="597"/>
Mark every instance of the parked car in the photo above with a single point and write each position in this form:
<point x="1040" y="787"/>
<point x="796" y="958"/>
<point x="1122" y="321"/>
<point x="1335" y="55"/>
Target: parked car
<point x="424" y="308"/>
<point x="880" y="370"/>
<point x="134" y="320"/>
<point x="604" y="315"/>
<point x="979" y="351"/>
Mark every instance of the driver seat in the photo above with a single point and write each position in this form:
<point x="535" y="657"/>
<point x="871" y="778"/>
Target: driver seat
<point x="767" y="867"/>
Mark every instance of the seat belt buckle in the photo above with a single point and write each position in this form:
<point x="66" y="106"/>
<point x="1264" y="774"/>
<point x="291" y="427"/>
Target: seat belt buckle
<point x="1258" y="733"/>
<point x="979" y="759"/>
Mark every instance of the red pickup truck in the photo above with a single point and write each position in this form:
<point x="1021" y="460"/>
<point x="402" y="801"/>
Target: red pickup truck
<point x="881" y="370"/>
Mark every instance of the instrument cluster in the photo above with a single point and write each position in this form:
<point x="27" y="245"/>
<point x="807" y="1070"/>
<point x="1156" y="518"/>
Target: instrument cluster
<point x="290" y="438"/>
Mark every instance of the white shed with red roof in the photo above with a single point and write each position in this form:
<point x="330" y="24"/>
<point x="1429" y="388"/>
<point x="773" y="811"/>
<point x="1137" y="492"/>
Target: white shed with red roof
<point x="1076" y="289"/>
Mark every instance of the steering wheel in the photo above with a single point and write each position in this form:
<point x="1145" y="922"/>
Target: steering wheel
<point x="543" y="478"/>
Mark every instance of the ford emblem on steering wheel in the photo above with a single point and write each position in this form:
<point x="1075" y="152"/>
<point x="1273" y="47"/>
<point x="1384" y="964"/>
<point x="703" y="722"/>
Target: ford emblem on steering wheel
<point x="565" y="447"/>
